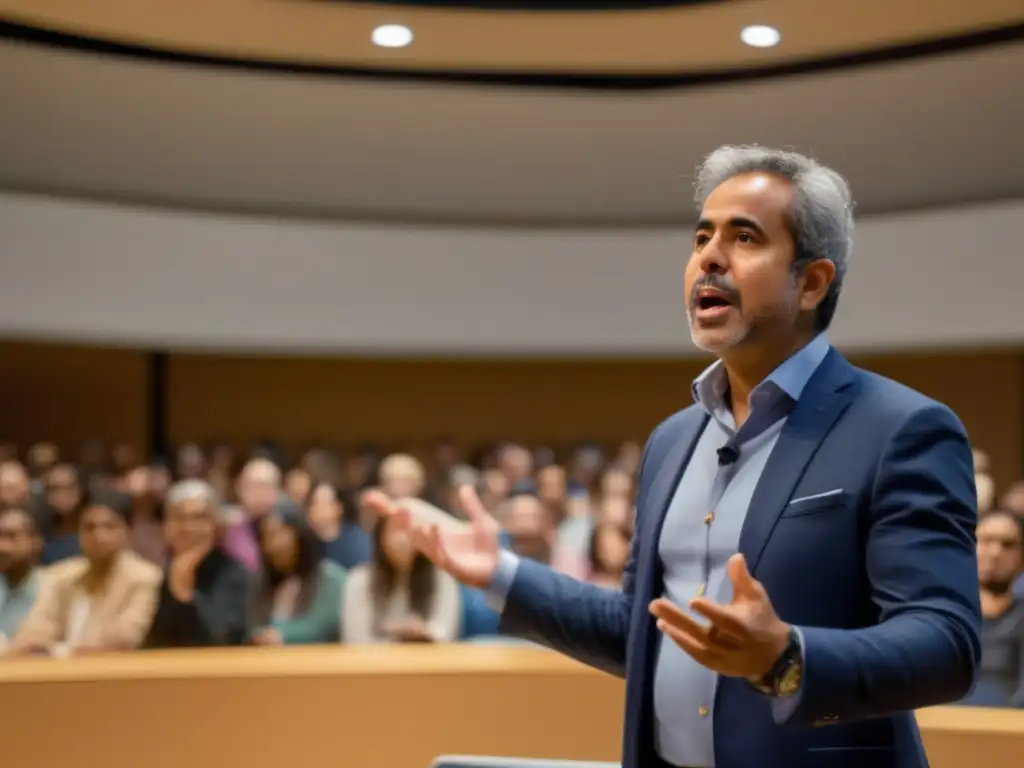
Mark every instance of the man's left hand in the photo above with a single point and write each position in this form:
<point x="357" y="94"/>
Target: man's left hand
<point x="744" y="638"/>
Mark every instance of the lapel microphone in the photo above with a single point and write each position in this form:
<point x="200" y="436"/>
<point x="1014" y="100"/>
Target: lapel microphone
<point x="728" y="454"/>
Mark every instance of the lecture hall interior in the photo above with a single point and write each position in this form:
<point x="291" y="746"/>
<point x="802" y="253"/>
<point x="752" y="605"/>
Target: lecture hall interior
<point x="266" y="260"/>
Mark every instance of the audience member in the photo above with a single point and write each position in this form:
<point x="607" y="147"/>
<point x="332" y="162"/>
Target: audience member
<point x="147" y="536"/>
<point x="1000" y="563"/>
<point x="297" y="485"/>
<point x="609" y="551"/>
<point x="20" y="547"/>
<point x="63" y="496"/>
<point x="400" y="596"/>
<point x="103" y="600"/>
<point x="516" y="463"/>
<point x="530" y="528"/>
<point x="983" y="482"/>
<point x="402" y="476"/>
<point x="345" y="541"/>
<point x="299" y="594"/>
<point x="1013" y="499"/>
<point x="41" y="457"/>
<point x="15" y="485"/>
<point x="259" y="492"/>
<point x="204" y="594"/>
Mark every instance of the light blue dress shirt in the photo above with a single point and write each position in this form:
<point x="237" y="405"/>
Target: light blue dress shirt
<point x="701" y="531"/>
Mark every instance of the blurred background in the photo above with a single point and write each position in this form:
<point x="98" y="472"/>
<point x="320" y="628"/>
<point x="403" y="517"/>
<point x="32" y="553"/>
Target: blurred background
<point x="258" y="257"/>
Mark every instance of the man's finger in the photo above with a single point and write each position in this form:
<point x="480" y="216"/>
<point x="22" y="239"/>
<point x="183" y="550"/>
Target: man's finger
<point x="427" y="540"/>
<point x="379" y="502"/>
<point x="743" y="584"/>
<point x="721" y="617"/>
<point x="668" y="612"/>
<point x="472" y="506"/>
<point x="702" y="653"/>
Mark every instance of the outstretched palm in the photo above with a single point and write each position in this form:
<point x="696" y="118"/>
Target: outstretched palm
<point x="468" y="551"/>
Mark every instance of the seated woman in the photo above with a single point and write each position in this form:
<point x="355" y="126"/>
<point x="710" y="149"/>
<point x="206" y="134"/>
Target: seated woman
<point x="102" y="600"/>
<point x="299" y="592"/>
<point x="345" y="542"/>
<point x="400" y="596"/>
<point x="609" y="551"/>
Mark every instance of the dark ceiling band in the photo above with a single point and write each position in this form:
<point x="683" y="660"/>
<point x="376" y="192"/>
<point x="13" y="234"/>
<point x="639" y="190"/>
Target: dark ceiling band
<point x="584" y="81"/>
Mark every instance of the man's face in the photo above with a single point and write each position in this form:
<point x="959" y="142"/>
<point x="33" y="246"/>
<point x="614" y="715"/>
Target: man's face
<point x="19" y="544"/>
<point x="14" y="484"/>
<point x="102" y="533"/>
<point x="63" y="491"/>
<point x="739" y="284"/>
<point x="259" y="489"/>
<point x="529" y="528"/>
<point x="999" y="553"/>
<point x="189" y="524"/>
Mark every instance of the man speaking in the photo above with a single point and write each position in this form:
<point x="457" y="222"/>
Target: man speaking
<point x="803" y="573"/>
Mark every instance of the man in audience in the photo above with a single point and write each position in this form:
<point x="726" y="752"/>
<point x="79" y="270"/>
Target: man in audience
<point x="983" y="482"/>
<point x="1000" y="563"/>
<point x="516" y="463"/>
<point x="203" y="598"/>
<point x="63" y="494"/>
<point x="259" y="491"/>
<point x="530" y="528"/>
<point x="101" y="601"/>
<point x="402" y="476"/>
<point x="20" y="545"/>
<point x="15" y="487"/>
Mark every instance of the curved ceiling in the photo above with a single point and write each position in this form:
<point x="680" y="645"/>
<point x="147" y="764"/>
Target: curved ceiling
<point x="676" y="39"/>
<point x="919" y="132"/>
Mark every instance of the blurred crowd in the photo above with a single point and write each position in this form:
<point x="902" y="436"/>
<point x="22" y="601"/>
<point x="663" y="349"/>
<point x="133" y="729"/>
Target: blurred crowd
<point x="114" y="552"/>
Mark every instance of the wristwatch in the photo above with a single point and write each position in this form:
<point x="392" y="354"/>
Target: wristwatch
<point x="783" y="679"/>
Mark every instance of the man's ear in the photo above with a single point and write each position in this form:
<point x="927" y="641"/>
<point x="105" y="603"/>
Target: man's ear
<point x="815" y="280"/>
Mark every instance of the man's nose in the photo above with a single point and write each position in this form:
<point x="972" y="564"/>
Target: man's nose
<point x="713" y="260"/>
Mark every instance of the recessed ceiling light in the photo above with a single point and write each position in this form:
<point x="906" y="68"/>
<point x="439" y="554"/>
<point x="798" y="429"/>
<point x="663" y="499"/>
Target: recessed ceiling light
<point x="760" y="36"/>
<point x="392" y="36"/>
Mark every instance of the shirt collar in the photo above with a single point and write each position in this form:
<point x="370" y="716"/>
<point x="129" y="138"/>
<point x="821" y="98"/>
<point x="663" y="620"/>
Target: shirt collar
<point x="790" y="378"/>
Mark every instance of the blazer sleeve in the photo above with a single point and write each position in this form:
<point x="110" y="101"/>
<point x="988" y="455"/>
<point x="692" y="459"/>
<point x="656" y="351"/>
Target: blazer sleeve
<point x="136" y="615"/>
<point x="921" y="562"/>
<point x="583" y="621"/>
<point x="320" y="623"/>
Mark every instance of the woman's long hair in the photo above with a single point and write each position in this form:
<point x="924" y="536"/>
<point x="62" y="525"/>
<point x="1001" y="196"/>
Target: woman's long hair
<point x="422" y="579"/>
<point x="307" y="569"/>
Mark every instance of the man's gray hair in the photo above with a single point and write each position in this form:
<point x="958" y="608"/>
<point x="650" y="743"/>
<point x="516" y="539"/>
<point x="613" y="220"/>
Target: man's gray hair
<point x="195" y="490"/>
<point x="820" y="217"/>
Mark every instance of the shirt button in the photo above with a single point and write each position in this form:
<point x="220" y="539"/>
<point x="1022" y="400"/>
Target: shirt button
<point x="709" y="518"/>
<point x="701" y="590"/>
<point x="703" y="711"/>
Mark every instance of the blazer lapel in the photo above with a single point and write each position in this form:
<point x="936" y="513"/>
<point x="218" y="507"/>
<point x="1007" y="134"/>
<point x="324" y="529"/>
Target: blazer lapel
<point x="667" y="479"/>
<point x="823" y="400"/>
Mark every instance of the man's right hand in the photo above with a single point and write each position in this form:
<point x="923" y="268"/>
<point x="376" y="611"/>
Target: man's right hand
<point x="181" y="576"/>
<point x="468" y="551"/>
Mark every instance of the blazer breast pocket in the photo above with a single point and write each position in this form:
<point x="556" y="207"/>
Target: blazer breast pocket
<point x="831" y="501"/>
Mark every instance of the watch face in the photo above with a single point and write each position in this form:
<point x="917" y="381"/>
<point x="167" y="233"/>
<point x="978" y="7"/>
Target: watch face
<point x="790" y="680"/>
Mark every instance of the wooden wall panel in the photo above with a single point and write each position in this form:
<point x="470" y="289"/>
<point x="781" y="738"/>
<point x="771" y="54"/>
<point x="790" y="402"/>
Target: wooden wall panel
<point x="347" y="401"/>
<point x="69" y="394"/>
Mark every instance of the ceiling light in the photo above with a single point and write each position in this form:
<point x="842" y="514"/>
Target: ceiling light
<point x="760" y="36"/>
<point x="392" y="36"/>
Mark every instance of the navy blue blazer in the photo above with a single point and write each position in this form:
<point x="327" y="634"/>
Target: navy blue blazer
<point x="881" y="578"/>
